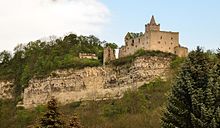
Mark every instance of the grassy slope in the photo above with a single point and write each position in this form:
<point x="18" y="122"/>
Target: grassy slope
<point x="138" y="109"/>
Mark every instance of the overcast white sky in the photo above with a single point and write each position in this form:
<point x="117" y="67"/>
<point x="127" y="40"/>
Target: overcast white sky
<point x="22" y="21"/>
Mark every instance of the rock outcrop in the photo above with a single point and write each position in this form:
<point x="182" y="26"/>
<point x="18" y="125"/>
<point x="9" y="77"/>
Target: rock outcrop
<point x="94" y="83"/>
<point x="6" y="88"/>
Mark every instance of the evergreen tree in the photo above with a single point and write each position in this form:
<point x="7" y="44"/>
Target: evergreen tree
<point x="51" y="118"/>
<point x="75" y="123"/>
<point x="194" y="100"/>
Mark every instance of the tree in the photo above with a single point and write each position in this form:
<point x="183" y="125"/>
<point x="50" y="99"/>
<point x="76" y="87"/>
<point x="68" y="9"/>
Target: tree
<point x="5" y="57"/>
<point x="75" y="123"/>
<point x="218" y="52"/>
<point x="111" y="45"/>
<point x="51" y="118"/>
<point x="194" y="102"/>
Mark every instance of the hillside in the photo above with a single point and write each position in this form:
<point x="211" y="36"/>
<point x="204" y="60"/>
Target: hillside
<point x="139" y="108"/>
<point x="41" y="68"/>
<point x="39" y="58"/>
<point x="41" y="61"/>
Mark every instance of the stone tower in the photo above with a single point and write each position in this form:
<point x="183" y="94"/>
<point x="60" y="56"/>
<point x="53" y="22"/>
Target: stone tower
<point x="152" y="26"/>
<point x="109" y="54"/>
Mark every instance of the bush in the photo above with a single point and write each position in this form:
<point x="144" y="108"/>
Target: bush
<point x="176" y="63"/>
<point x="134" y="102"/>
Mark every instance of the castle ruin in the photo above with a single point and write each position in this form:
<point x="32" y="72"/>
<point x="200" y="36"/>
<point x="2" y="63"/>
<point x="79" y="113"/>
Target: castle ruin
<point x="108" y="55"/>
<point x="153" y="39"/>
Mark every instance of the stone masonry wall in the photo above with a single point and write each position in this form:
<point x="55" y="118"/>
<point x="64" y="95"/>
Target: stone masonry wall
<point x="6" y="88"/>
<point x="94" y="83"/>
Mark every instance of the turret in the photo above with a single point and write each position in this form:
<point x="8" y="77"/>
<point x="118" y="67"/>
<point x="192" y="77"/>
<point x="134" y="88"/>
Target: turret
<point x="152" y="26"/>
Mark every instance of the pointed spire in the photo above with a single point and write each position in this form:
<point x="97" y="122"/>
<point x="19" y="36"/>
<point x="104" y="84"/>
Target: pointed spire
<point x="152" y="21"/>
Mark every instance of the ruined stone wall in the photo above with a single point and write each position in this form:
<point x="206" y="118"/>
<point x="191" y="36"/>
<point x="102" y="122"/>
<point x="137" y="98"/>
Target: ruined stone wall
<point x="181" y="51"/>
<point x="108" y="55"/>
<point x="164" y="41"/>
<point x="6" y="88"/>
<point x="94" y="83"/>
<point x="133" y="45"/>
<point x="152" y="40"/>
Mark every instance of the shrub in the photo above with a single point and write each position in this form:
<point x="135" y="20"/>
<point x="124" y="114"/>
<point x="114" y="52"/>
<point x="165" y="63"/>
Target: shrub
<point x="176" y="63"/>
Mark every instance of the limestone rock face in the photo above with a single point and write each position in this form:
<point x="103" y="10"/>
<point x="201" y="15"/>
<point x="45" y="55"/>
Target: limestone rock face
<point x="6" y="88"/>
<point x="94" y="83"/>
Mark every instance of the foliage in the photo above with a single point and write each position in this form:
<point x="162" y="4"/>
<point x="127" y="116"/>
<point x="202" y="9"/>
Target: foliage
<point x="121" y="112"/>
<point x="111" y="45"/>
<point x="194" y="101"/>
<point x="218" y="53"/>
<point x="133" y="102"/>
<point x="138" y="108"/>
<point x="54" y="119"/>
<point x="40" y="58"/>
<point x="177" y="62"/>
<point x="74" y="122"/>
<point x="51" y="118"/>
<point x="5" y="57"/>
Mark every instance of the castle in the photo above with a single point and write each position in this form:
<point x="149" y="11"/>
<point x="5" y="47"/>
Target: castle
<point x="153" y="39"/>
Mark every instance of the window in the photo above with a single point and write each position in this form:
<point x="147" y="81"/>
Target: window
<point x="171" y="43"/>
<point x="139" y="40"/>
<point x="169" y="47"/>
<point x="132" y="44"/>
<point x="165" y="42"/>
<point x="161" y="37"/>
<point x="171" y="38"/>
<point x="158" y="42"/>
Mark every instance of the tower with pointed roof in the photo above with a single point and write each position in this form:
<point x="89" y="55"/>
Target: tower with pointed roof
<point x="152" y="39"/>
<point x="152" y="26"/>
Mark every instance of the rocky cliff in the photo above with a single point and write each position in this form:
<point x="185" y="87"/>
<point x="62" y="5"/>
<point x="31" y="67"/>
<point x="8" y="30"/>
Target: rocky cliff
<point x="94" y="83"/>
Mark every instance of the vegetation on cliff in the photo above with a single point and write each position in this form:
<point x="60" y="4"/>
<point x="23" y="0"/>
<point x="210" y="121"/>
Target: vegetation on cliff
<point x="193" y="102"/>
<point x="39" y="58"/>
<point x="144" y="107"/>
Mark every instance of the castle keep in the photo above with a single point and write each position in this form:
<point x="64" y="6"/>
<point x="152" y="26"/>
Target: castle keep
<point x="153" y="39"/>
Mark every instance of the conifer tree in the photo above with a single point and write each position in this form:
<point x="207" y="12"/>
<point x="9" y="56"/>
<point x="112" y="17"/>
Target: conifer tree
<point x="75" y="123"/>
<point x="194" y="100"/>
<point x="51" y="118"/>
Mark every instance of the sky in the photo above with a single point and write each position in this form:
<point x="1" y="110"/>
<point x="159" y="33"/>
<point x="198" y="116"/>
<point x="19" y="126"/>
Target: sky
<point x="21" y="21"/>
